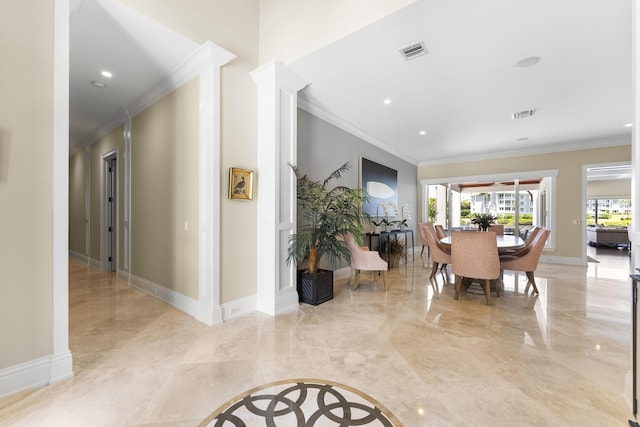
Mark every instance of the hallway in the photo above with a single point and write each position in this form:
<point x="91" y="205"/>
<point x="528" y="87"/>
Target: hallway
<point x="556" y="360"/>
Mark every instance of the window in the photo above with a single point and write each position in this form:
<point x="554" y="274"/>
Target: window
<point x="519" y="200"/>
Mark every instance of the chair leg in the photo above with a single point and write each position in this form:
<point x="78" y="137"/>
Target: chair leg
<point x="434" y="270"/>
<point x="357" y="281"/>
<point x="531" y="281"/>
<point x="458" y="286"/>
<point x="487" y="289"/>
<point x="384" y="279"/>
<point x="422" y="251"/>
<point x="443" y="271"/>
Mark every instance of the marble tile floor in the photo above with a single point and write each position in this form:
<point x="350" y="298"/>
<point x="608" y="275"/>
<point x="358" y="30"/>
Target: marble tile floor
<point x="559" y="359"/>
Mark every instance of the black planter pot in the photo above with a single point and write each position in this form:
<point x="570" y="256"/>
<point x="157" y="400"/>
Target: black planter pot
<point x="315" y="288"/>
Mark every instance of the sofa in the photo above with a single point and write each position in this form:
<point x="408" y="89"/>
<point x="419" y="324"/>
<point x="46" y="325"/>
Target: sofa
<point x="607" y="236"/>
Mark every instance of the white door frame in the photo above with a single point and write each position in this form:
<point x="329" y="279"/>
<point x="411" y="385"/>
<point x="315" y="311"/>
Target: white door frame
<point x="583" y="213"/>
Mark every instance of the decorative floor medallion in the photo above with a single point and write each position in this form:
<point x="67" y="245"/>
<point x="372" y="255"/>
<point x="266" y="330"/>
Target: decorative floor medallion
<point x="304" y="403"/>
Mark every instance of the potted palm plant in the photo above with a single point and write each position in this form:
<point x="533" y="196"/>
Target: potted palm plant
<point x="325" y="215"/>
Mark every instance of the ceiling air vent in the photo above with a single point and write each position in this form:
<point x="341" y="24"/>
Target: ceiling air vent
<point x="413" y="50"/>
<point x="524" y="114"/>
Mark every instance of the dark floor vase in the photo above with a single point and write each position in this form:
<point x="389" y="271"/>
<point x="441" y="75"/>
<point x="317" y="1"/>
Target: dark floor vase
<point x="315" y="288"/>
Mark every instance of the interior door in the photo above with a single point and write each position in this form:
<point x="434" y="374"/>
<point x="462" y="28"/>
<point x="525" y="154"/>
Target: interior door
<point x="111" y="211"/>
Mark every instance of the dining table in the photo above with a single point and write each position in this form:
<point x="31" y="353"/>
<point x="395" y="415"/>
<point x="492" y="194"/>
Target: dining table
<point x="505" y="242"/>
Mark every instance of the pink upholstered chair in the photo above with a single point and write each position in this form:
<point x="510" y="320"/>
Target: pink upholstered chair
<point x="362" y="259"/>
<point x="440" y="254"/>
<point x="530" y="234"/>
<point x="475" y="255"/>
<point x="533" y="232"/>
<point x="527" y="259"/>
<point x="497" y="228"/>
<point x="422" y="232"/>
<point x="440" y="234"/>
<point x="527" y="245"/>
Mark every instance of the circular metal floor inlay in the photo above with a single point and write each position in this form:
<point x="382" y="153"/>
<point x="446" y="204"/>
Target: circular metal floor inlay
<point x="302" y="403"/>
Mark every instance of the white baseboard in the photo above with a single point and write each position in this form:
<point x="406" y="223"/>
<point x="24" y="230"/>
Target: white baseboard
<point x="287" y="301"/>
<point x="61" y="367"/>
<point x="237" y="307"/>
<point x="171" y="297"/>
<point x="94" y="263"/>
<point x="35" y="373"/>
<point x="192" y="307"/>
<point x="78" y="256"/>
<point x="123" y="276"/>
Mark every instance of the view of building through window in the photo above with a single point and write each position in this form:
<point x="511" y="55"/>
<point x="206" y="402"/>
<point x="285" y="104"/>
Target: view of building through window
<point x="609" y="212"/>
<point x="517" y="204"/>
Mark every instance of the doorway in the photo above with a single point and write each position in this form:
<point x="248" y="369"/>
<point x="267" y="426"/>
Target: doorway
<point x="607" y="210"/>
<point x="109" y="214"/>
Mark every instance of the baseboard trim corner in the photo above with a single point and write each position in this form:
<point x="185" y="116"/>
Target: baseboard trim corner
<point x="35" y="373"/>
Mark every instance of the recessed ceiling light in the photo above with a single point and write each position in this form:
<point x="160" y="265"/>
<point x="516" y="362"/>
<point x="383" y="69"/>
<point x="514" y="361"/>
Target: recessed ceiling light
<point x="387" y="101"/>
<point x="96" y="83"/>
<point x="527" y="62"/>
<point x="107" y="74"/>
<point x="628" y="125"/>
<point x="423" y="132"/>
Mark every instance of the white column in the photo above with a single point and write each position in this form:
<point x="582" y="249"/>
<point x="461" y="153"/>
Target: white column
<point x="277" y="147"/>
<point x="61" y="360"/>
<point x="634" y="228"/>
<point x="210" y="310"/>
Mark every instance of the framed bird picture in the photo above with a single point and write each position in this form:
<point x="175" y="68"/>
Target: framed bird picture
<point x="240" y="184"/>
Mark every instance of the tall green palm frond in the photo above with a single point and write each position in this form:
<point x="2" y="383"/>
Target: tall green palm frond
<point x="325" y="214"/>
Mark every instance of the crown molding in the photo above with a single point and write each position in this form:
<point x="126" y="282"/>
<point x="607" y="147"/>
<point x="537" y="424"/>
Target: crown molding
<point x="208" y="54"/>
<point x="573" y="145"/>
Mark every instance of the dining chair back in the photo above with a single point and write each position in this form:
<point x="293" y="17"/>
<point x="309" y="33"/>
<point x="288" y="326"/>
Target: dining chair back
<point x="533" y="232"/>
<point x="527" y="262"/>
<point x="440" y="254"/>
<point x="422" y="232"/>
<point x="362" y="259"/>
<point x="440" y="233"/>
<point x="475" y="256"/>
<point x="497" y="228"/>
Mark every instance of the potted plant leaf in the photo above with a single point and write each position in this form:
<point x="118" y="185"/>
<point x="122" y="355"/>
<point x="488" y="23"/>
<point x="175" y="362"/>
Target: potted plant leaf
<point x="325" y="214"/>
<point x="484" y="220"/>
<point x="393" y="249"/>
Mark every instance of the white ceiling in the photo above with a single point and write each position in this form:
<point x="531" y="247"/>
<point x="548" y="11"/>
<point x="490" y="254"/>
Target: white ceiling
<point x="106" y="35"/>
<point x="462" y="93"/>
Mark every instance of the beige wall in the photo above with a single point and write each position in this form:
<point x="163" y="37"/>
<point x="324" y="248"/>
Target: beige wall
<point x="26" y="174"/>
<point x="233" y="25"/>
<point x="610" y="188"/>
<point x="77" y="197"/>
<point x="104" y="145"/>
<point x="164" y="191"/>
<point x="568" y="186"/>
<point x="290" y="29"/>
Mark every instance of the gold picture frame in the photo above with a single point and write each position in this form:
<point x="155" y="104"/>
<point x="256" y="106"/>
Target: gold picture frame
<point x="240" y="184"/>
